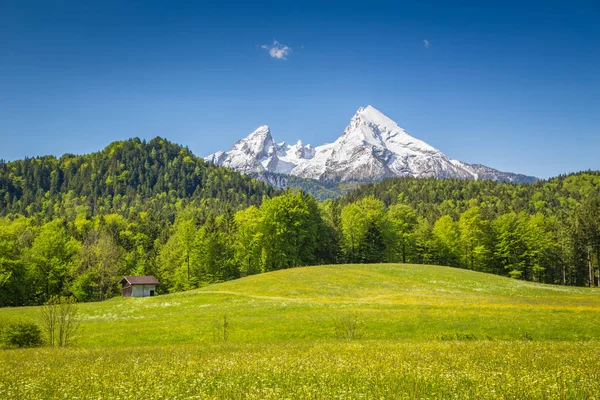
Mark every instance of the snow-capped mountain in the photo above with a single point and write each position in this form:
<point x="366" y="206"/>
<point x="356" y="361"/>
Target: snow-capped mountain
<point x="372" y="147"/>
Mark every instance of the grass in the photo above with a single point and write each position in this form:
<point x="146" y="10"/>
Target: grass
<point x="423" y="332"/>
<point x="328" y="370"/>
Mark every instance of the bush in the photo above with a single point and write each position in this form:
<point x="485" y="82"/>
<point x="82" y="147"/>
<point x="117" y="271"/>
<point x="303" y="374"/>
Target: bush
<point x="22" y="334"/>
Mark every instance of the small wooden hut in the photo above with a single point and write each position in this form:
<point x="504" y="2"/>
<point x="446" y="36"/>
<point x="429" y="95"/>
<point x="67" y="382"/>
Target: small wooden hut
<point x="139" y="286"/>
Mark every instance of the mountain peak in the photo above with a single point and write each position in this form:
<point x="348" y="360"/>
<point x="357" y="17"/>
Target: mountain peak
<point x="371" y="147"/>
<point x="258" y="142"/>
<point x="263" y="130"/>
<point x="370" y="114"/>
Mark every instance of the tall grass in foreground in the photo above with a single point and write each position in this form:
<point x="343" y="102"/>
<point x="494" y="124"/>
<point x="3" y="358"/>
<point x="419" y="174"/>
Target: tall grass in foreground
<point x="324" y="370"/>
<point x="346" y="331"/>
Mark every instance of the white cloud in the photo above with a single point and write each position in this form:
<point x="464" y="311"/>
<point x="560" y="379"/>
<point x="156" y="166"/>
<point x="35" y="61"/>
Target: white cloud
<point x="426" y="43"/>
<point x="277" y="50"/>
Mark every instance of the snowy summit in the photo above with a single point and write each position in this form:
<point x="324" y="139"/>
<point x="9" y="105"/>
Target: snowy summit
<point x="372" y="147"/>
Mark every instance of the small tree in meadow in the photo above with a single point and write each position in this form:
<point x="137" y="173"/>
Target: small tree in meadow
<point x="60" y="320"/>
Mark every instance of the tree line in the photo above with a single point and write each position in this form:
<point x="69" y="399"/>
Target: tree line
<point x="548" y="231"/>
<point x="80" y="235"/>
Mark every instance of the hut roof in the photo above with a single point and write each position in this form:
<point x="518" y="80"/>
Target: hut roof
<point x="140" y="280"/>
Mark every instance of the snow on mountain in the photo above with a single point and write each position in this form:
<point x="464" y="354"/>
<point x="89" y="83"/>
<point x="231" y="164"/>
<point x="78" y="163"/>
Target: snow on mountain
<point x="258" y="152"/>
<point x="371" y="147"/>
<point x="486" y="173"/>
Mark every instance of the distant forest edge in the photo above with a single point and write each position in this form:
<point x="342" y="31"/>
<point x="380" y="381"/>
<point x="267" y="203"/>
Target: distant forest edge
<point x="75" y="225"/>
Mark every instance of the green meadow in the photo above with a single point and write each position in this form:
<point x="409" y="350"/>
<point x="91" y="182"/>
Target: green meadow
<point x="417" y="332"/>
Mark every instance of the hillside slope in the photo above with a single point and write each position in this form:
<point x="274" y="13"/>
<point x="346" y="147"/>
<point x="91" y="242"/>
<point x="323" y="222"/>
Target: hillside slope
<point x="391" y="301"/>
<point x="125" y="173"/>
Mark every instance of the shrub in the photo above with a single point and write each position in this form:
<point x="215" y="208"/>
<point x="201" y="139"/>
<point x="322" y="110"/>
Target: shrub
<point x="22" y="334"/>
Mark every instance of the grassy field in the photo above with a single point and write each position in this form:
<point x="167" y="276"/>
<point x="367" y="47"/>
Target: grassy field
<point x="422" y="332"/>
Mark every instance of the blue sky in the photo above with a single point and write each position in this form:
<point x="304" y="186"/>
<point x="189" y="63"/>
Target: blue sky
<point x="515" y="85"/>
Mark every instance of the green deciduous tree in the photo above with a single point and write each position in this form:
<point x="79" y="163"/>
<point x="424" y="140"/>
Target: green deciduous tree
<point x="248" y="239"/>
<point x="472" y="239"/>
<point x="288" y="231"/>
<point x="99" y="268"/>
<point x="51" y="258"/>
<point x="510" y="245"/>
<point x="446" y="241"/>
<point x="356" y="219"/>
<point x="402" y="220"/>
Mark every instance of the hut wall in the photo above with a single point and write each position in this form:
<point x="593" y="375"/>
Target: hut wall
<point x="143" y="290"/>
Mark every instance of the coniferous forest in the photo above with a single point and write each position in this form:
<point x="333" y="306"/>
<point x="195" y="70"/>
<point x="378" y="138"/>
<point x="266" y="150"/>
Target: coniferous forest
<point x="75" y="225"/>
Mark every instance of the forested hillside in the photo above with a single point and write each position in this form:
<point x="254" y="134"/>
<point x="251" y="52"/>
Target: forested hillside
<point x="548" y="231"/>
<point x="121" y="178"/>
<point x="75" y="225"/>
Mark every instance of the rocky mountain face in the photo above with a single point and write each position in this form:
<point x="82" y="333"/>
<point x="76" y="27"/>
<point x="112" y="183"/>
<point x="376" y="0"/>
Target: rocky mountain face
<point x="371" y="148"/>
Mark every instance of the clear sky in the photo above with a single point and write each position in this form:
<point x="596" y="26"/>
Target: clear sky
<point x="513" y="85"/>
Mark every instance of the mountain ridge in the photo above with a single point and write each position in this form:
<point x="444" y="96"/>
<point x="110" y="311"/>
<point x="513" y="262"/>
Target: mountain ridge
<point x="371" y="148"/>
